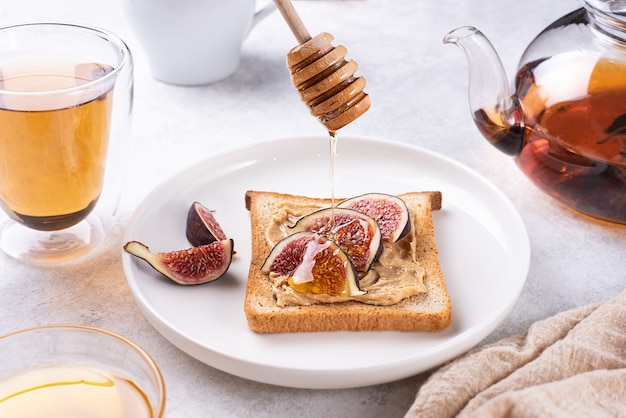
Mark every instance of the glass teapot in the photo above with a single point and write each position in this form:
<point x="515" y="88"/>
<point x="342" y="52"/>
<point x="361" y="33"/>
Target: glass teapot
<point x="565" y="124"/>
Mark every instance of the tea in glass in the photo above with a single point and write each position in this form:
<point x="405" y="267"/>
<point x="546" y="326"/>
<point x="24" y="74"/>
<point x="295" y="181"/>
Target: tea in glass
<point x="53" y="152"/>
<point x="65" y="104"/>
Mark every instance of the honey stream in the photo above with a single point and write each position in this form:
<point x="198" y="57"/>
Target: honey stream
<point x="333" y="158"/>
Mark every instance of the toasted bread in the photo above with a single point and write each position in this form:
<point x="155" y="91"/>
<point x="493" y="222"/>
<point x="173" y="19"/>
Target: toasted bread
<point x="430" y="311"/>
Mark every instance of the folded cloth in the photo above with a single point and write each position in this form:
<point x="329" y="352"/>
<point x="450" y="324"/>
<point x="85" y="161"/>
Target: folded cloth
<point x="570" y="365"/>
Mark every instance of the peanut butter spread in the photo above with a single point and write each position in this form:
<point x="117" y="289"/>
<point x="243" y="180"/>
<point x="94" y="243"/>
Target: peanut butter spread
<point x="395" y="276"/>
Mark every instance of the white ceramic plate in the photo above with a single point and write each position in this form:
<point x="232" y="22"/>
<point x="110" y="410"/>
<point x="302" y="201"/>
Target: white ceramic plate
<point x="483" y="245"/>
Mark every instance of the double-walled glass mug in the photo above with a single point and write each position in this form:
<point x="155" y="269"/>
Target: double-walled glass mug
<point x="65" y="107"/>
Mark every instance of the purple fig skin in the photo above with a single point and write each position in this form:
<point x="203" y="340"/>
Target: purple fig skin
<point x="390" y="212"/>
<point x="287" y="254"/>
<point x="350" y="236"/>
<point x="202" y="227"/>
<point x="191" y="266"/>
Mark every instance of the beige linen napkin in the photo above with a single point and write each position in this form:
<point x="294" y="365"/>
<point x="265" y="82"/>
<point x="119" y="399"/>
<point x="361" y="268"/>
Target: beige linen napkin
<point x="570" y="365"/>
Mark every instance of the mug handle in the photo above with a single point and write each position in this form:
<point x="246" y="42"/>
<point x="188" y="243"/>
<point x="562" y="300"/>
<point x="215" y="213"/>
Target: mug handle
<point x="262" y="13"/>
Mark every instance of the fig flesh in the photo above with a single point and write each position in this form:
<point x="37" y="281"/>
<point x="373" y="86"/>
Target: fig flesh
<point x="190" y="266"/>
<point x="390" y="213"/>
<point x="202" y="227"/>
<point x="356" y="233"/>
<point x="313" y="263"/>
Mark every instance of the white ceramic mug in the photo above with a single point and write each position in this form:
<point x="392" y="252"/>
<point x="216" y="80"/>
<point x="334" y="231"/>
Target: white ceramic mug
<point x="193" y="42"/>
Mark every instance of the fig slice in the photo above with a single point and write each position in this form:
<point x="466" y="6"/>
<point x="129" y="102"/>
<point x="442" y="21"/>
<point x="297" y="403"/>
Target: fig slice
<point x="313" y="263"/>
<point x="191" y="266"/>
<point x="202" y="227"/>
<point x="357" y="234"/>
<point x="390" y="213"/>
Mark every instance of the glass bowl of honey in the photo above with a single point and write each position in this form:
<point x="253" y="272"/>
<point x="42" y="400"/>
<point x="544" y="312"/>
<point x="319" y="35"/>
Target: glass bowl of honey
<point x="73" y="370"/>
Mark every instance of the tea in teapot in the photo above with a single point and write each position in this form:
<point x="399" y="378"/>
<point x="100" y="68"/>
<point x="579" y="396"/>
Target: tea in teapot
<point x="565" y="124"/>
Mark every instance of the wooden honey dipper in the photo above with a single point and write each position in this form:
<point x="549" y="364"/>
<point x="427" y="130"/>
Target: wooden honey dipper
<point x="323" y="78"/>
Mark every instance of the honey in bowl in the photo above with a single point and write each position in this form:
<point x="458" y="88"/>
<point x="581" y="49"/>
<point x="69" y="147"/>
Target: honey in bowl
<point x="71" y="391"/>
<point x="77" y="371"/>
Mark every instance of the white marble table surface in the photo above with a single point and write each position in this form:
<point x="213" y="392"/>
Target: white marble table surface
<point x="418" y="90"/>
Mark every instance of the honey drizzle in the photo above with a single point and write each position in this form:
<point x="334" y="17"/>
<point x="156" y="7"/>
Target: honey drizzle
<point x="333" y="156"/>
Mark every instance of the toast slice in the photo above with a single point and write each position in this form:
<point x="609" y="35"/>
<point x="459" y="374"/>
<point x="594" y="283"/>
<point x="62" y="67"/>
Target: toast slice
<point x="430" y="311"/>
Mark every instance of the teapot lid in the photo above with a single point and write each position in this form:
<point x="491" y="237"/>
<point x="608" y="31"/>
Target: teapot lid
<point x="609" y="16"/>
<point x="612" y="7"/>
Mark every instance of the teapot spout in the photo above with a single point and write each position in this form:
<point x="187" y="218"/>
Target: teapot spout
<point x="496" y="113"/>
